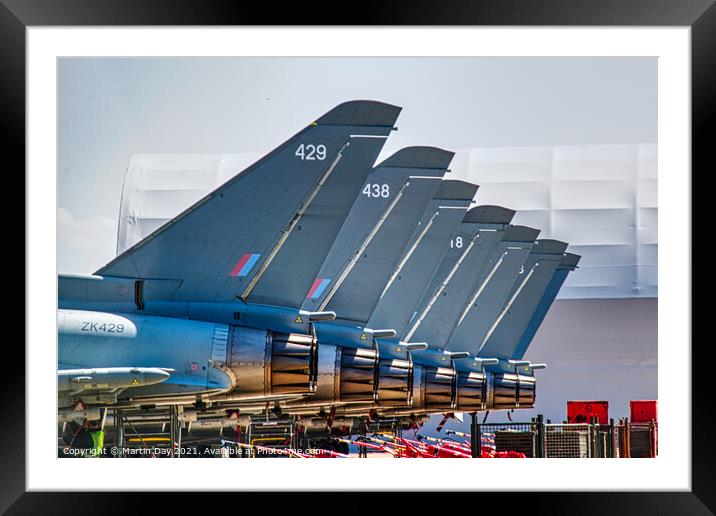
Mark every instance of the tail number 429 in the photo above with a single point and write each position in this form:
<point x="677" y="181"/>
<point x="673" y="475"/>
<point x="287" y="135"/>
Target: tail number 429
<point x="310" y="152"/>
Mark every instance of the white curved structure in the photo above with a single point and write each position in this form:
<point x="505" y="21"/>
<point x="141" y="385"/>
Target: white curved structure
<point x="602" y="199"/>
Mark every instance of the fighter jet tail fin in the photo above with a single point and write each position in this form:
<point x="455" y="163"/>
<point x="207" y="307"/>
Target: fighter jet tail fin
<point x="458" y="275"/>
<point x="355" y="290"/>
<point x="409" y="281"/>
<point x="504" y="338"/>
<point x="217" y="246"/>
<point x="568" y="264"/>
<point x="294" y="270"/>
<point x="484" y="305"/>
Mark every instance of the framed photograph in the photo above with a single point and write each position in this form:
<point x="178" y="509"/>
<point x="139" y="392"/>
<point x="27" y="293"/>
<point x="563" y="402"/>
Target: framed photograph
<point x="428" y="233"/>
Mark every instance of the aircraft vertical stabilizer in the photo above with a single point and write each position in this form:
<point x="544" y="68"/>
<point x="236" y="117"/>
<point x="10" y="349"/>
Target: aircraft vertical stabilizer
<point x="568" y="264"/>
<point x="409" y="281"/>
<point x="217" y="247"/>
<point x="297" y="264"/>
<point x="352" y="295"/>
<point x="371" y="206"/>
<point x="505" y="333"/>
<point x="483" y="307"/>
<point x="459" y="273"/>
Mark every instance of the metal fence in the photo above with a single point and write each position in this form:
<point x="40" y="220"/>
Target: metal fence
<point x="638" y="440"/>
<point x="584" y="440"/>
<point x="568" y="441"/>
<point x="503" y="437"/>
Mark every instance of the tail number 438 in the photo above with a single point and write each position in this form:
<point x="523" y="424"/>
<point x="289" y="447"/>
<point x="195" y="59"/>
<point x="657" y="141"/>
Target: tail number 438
<point x="376" y="190"/>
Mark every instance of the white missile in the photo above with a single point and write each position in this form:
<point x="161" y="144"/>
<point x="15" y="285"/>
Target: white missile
<point x="110" y="378"/>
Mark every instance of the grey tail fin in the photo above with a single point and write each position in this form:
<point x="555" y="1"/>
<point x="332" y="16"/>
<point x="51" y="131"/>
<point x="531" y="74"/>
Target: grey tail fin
<point x="409" y="281"/>
<point x="568" y="264"/>
<point x="217" y="246"/>
<point x="367" y="212"/>
<point x="297" y="266"/>
<point x="506" y="331"/>
<point x="464" y="264"/>
<point x="485" y="304"/>
<point x="354" y="291"/>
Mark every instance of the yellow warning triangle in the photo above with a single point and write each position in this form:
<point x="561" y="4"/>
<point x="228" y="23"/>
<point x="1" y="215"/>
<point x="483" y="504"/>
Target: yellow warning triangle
<point x="298" y="319"/>
<point x="362" y="336"/>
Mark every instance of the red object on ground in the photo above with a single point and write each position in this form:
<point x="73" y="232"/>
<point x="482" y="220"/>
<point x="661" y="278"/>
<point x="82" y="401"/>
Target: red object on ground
<point x="414" y="451"/>
<point x="583" y="411"/>
<point x="643" y="411"/>
<point x="503" y="455"/>
<point x="445" y="452"/>
<point x="510" y="455"/>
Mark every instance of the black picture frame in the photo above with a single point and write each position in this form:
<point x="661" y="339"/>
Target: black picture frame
<point x="700" y="15"/>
